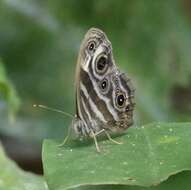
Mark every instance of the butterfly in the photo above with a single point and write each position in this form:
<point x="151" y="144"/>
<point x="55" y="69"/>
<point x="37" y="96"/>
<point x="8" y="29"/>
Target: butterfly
<point x="104" y="94"/>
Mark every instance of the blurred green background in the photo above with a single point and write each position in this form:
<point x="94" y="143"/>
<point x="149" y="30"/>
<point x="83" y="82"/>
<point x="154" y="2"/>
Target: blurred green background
<point x="39" y="44"/>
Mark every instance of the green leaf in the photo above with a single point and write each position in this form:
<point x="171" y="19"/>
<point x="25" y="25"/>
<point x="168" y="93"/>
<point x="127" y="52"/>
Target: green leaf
<point x="7" y="92"/>
<point x="13" y="178"/>
<point x="148" y="156"/>
<point x="175" y="182"/>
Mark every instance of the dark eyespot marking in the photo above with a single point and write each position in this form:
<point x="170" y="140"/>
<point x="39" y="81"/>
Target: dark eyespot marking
<point x="91" y="46"/>
<point x="101" y="64"/>
<point x="104" y="85"/>
<point x="120" y="100"/>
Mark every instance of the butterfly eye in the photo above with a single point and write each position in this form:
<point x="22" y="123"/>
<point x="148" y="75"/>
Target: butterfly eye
<point x="120" y="100"/>
<point x="91" y="46"/>
<point x="101" y="64"/>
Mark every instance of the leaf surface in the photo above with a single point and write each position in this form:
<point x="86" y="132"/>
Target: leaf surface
<point x="148" y="156"/>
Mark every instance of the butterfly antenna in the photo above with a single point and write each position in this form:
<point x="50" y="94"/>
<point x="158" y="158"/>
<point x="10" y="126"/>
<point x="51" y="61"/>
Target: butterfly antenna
<point x="53" y="109"/>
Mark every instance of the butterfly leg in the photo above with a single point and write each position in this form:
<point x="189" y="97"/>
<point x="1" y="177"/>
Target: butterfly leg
<point x="64" y="142"/>
<point x="93" y="135"/>
<point x="99" y="132"/>
<point x="112" y="140"/>
<point x="67" y="137"/>
<point x="108" y="136"/>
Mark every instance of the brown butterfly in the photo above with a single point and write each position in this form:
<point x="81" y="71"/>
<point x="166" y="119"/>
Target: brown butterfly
<point x="104" y="95"/>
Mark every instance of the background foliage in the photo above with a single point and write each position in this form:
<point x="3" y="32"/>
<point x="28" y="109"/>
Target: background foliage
<point x="39" y="43"/>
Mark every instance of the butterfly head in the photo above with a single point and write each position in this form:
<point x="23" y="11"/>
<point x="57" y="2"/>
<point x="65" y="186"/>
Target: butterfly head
<point x="104" y="94"/>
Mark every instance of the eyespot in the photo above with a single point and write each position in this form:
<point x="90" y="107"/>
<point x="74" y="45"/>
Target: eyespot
<point x="91" y="46"/>
<point x="120" y="100"/>
<point x="104" y="85"/>
<point x="101" y="64"/>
